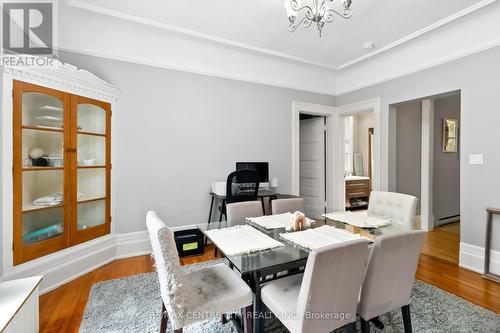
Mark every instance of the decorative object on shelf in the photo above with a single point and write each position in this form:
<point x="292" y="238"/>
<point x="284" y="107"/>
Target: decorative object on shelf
<point x="55" y="161"/>
<point x="318" y="11"/>
<point x="50" y="200"/>
<point x="88" y="162"/>
<point x="450" y="135"/>
<point x="44" y="233"/>
<point x="36" y="153"/>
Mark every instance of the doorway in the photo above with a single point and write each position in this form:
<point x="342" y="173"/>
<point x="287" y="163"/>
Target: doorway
<point x="425" y="148"/>
<point x="312" y="156"/>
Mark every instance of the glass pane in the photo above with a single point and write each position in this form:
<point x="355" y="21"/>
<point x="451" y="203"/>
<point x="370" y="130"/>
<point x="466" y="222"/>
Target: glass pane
<point x="91" y="118"/>
<point x="91" y="214"/>
<point x="91" y="150"/>
<point x="91" y="183"/>
<point x="42" y="148"/>
<point x="42" y="110"/>
<point x="42" y="189"/>
<point x="43" y="224"/>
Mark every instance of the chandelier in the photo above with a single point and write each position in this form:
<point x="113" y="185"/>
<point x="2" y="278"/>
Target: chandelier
<point x="319" y="11"/>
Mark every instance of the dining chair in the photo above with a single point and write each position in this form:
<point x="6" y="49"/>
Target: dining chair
<point x="196" y="295"/>
<point x="324" y="298"/>
<point x="241" y="185"/>
<point x="397" y="207"/>
<point x="389" y="277"/>
<point x="280" y="206"/>
<point x="237" y="212"/>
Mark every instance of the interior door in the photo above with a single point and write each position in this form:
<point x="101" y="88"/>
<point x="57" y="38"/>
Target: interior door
<point x="312" y="165"/>
<point x="91" y="165"/>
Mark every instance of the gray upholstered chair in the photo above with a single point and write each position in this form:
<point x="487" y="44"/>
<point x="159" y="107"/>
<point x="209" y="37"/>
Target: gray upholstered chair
<point x="237" y="212"/>
<point x="396" y="207"/>
<point x="280" y="206"/>
<point x="389" y="277"/>
<point x="329" y="286"/>
<point x="196" y="295"/>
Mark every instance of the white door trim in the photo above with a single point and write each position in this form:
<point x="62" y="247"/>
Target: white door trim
<point x="427" y="166"/>
<point x="372" y="105"/>
<point x="316" y="110"/>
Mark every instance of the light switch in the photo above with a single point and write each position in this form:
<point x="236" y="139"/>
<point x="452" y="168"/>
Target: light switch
<point x="476" y="159"/>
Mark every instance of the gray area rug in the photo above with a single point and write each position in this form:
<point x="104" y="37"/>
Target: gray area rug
<point x="133" y="304"/>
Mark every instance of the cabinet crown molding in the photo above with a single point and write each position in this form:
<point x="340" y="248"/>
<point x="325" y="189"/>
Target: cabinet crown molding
<point x="50" y="72"/>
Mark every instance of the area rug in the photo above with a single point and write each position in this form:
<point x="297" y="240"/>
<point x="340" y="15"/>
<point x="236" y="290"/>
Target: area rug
<point x="132" y="304"/>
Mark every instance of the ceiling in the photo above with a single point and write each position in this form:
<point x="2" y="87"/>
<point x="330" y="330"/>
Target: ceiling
<point x="263" y="24"/>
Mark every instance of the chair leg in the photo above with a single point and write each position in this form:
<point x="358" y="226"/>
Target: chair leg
<point x="215" y="251"/>
<point x="405" y="310"/>
<point x="365" y="326"/>
<point x="247" y="319"/>
<point x="179" y="330"/>
<point x="164" y="319"/>
<point x="350" y="328"/>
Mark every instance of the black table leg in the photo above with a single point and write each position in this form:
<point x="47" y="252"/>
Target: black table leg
<point x="258" y="319"/>
<point x="263" y="206"/>
<point x="210" y="215"/>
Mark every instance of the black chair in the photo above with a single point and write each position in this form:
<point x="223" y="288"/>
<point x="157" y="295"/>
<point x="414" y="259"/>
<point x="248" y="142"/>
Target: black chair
<point x="241" y="185"/>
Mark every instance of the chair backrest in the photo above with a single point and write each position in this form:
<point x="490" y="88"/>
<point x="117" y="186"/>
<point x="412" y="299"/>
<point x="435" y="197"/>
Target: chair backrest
<point x="390" y="273"/>
<point x="237" y="212"/>
<point x="331" y="284"/>
<point x="397" y="207"/>
<point x="168" y="268"/>
<point x="242" y="185"/>
<point x="280" y="206"/>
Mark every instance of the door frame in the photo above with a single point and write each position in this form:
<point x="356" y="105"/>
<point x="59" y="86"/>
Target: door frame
<point x="371" y="105"/>
<point x="328" y="112"/>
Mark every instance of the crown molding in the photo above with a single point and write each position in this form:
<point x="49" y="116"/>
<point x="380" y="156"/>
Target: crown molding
<point x="481" y="49"/>
<point x="418" y="33"/>
<point x="196" y="34"/>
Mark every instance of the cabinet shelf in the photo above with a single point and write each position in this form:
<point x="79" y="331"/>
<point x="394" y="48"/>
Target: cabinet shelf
<point x="33" y="208"/>
<point x="43" y="128"/>
<point x="91" y="166"/>
<point x="91" y="133"/>
<point x="91" y="200"/>
<point x="42" y="168"/>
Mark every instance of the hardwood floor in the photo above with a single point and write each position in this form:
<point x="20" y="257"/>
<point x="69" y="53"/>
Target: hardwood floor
<point x="443" y="242"/>
<point x="61" y="310"/>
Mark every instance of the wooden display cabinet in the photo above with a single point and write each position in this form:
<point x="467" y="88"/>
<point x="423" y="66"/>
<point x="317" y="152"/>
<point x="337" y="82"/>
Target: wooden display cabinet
<point x="61" y="170"/>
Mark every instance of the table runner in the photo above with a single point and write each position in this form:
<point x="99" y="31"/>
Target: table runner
<point x="319" y="237"/>
<point x="272" y="221"/>
<point x="357" y="220"/>
<point x="241" y="239"/>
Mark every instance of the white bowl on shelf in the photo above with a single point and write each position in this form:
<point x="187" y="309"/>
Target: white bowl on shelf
<point x="88" y="162"/>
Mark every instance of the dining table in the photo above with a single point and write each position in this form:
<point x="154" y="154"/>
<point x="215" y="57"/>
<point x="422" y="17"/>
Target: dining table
<point x="260" y="267"/>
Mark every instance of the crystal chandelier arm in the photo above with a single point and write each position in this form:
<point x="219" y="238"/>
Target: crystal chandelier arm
<point x="329" y="14"/>
<point x="295" y="24"/>
<point x="308" y="11"/>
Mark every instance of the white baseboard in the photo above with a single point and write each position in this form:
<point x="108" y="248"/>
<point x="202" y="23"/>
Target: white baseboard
<point x="472" y="258"/>
<point x="66" y="265"/>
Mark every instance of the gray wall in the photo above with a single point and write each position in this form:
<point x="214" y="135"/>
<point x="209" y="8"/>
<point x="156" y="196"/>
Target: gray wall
<point x="478" y="78"/>
<point x="409" y="149"/>
<point x="446" y="173"/>
<point x="177" y="132"/>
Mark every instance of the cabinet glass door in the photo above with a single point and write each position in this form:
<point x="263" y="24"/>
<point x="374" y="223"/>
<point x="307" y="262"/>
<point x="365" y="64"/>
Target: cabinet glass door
<point x="40" y="177"/>
<point x="92" y="179"/>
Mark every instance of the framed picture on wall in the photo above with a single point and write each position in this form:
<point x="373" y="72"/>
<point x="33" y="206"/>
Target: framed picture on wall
<point x="450" y="135"/>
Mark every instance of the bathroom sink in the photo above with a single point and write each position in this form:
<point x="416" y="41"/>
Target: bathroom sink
<point x="357" y="178"/>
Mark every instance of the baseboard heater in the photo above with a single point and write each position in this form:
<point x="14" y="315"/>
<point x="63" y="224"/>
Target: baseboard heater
<point x="448" y="219"/>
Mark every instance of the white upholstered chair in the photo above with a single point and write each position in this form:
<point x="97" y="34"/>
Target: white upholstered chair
<point x="197" y="295"/>
<point x="280" y="206"/>
<point x="329" y="287"/>
<point x="237" y="212"/>
<point x="389" y="277"/>
<point x="396" y="207"/>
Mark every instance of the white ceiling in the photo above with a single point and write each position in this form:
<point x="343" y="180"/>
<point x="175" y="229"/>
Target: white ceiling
<point x="263" y="24"/>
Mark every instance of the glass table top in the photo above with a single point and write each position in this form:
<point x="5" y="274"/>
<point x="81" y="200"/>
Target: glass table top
<point x="290" y="253"/>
